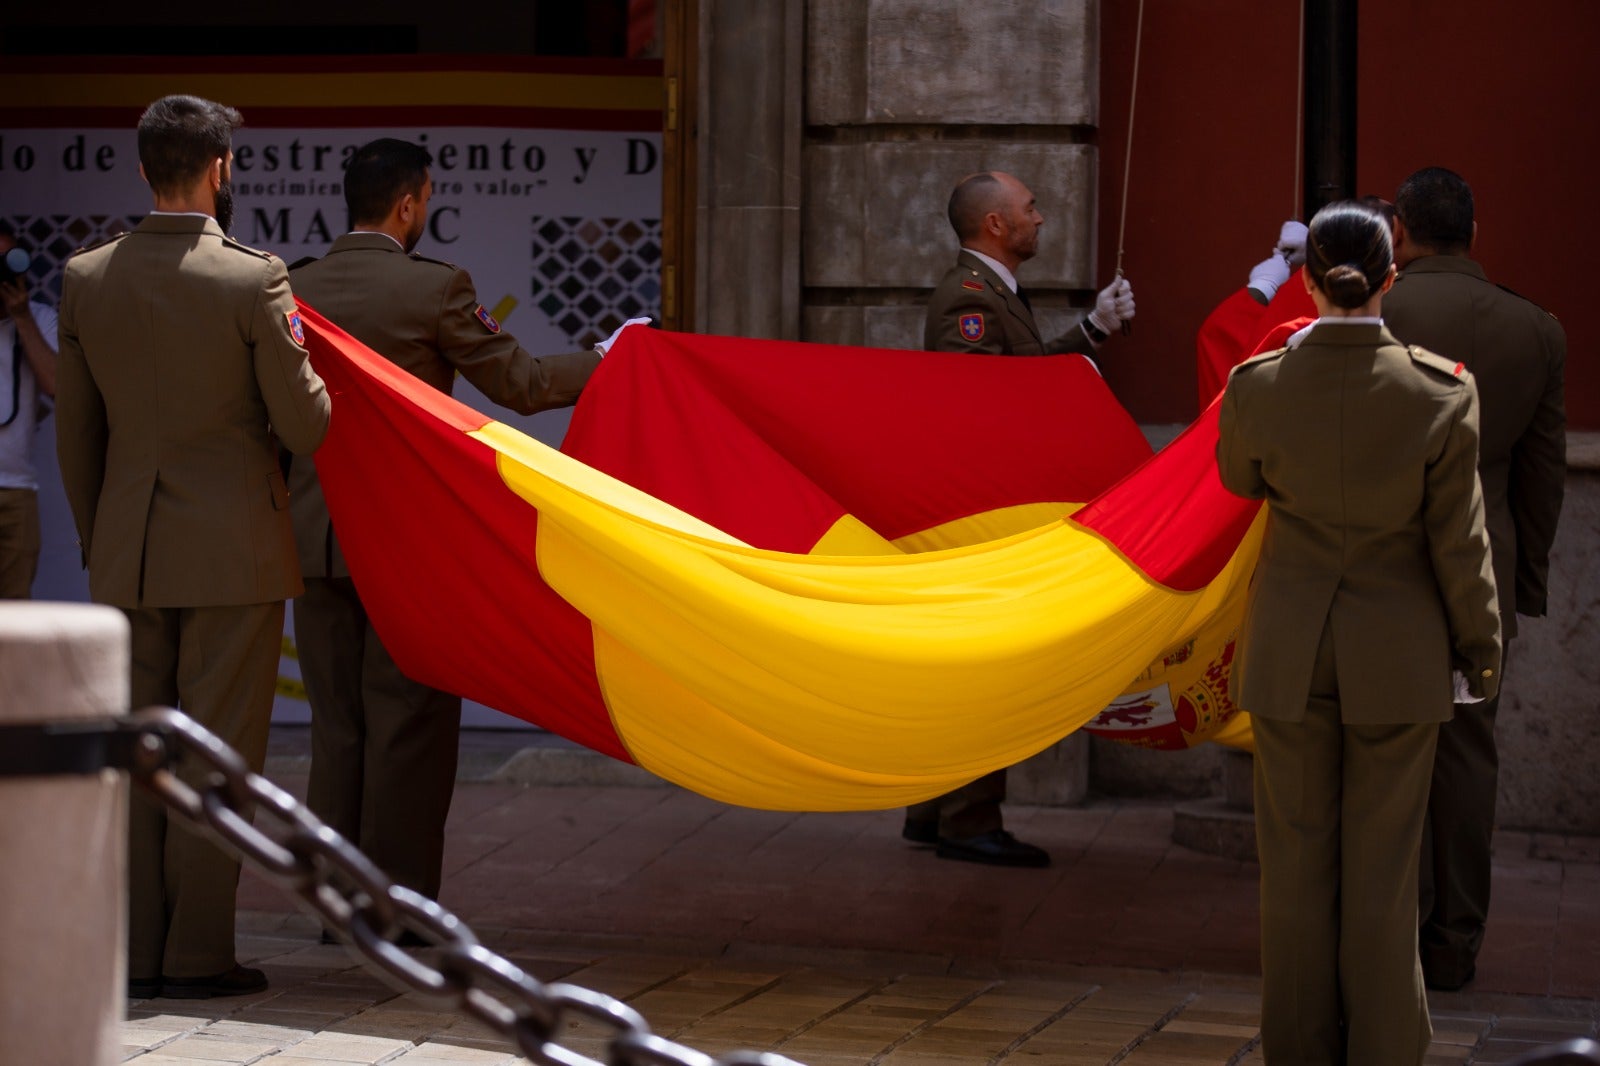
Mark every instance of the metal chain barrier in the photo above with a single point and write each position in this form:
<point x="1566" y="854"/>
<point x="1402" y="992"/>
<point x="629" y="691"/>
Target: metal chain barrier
<point x="356" y="901"/>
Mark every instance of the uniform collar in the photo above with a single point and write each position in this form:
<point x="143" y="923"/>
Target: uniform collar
<point x="171" y="222"/>
<point x="365" y="240"/>
<point x="995" y="265"/>
<point x="1326" y="332"/>
<point x="1445" y="264"/>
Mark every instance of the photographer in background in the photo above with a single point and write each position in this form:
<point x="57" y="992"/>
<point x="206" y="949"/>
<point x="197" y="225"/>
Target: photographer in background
<point x="27" y="381"/>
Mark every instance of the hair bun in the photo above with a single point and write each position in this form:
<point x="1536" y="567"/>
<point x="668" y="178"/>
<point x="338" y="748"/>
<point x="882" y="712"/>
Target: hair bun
<point x="1347" y="286"/>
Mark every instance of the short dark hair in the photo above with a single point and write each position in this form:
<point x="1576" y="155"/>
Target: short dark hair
<point x="1436" y="206"/>
<point x="179" y="136"/>
<point x="1380" y="205"/>
<point x="379" y="174"/>
<point x="974" y="197"/>
<point x="1349" y="252"/>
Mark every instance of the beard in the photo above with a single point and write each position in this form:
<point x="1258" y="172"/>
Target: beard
<point x="224" y="205"/>
<point x="415" y="235"/>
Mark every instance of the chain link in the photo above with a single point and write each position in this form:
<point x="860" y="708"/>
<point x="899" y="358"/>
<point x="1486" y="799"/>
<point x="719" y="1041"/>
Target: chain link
<point x="353" y="899"/>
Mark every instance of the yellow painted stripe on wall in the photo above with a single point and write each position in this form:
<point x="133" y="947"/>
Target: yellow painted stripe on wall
<point x="364" y="89"/>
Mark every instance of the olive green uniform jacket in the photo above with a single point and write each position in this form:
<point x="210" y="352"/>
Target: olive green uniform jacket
<point x="423" y="315"/>
<point x="973" y="310"/>
<point x="178" y="368"/>
<point x="1366" y="453"/>
<point x="1517" y="355"/>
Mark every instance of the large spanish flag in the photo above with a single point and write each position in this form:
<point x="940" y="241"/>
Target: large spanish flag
<point x="797" y="576"/>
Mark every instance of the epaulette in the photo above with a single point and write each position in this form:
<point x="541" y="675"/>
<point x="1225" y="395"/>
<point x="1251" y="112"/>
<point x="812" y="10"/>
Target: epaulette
<point x="974" y="282"/>
<point x="302" y="261"/>
<point x="1451" y="369"/>
<point x="440" y="262"/>
<point x="1524" y="299"/>
<point x="1265" y="357"/>
<point x="102" y="242"/>
<point x="231" y="243"/>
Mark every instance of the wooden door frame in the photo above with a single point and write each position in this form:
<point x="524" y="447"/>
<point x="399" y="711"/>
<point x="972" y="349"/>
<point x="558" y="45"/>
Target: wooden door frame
<point x="679" y="161"/>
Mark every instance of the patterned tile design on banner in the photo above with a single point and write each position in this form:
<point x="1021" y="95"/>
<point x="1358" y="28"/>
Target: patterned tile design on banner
<point x="53" y="238"/>
<point x="592" y="274"/>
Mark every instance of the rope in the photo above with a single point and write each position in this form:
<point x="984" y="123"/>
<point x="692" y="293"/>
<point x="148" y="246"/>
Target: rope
<point x="1299" y="113"/>
<point x="1127" y="162"/>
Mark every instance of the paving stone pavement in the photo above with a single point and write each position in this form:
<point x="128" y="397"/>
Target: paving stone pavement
<point x="828" y="939"/>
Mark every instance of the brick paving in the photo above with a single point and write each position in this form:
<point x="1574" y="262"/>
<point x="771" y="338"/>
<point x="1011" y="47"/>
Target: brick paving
<point x="826" y="938"/>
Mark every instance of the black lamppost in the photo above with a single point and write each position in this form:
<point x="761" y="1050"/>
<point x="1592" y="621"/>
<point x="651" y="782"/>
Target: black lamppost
<point x="1330" y="103"/>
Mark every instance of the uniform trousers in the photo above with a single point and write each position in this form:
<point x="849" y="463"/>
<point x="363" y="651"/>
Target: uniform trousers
<point x="219" y="665"/>
<point x="968" y="811"/>
<point x="19" y="542"/>
<point x="1454" y="890"/>
<point x="1339" y="811"/>
<point x="383" y="747"/>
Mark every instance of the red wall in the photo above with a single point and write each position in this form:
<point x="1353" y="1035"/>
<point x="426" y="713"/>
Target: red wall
<point x="1511" y="103"/>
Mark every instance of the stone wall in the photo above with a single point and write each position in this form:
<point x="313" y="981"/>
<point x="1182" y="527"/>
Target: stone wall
<point x="748" y="115"/>
<point x="900" y="103"/>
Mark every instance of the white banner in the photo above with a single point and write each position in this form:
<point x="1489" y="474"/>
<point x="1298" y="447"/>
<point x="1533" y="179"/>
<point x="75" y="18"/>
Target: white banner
<point x="560" y="230"/>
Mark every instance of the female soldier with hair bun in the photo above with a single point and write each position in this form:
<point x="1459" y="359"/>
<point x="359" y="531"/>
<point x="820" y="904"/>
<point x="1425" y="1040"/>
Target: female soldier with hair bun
<point x="1373" y="586"/>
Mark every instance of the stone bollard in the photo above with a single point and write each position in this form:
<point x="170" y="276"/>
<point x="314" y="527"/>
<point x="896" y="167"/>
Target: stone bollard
<point x="63" y="844"/>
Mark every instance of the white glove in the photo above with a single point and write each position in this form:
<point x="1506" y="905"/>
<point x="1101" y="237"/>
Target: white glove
<point x="1267" y="275"/>
<point x="605" y="346"/>
<point x="1292" y="244"/>
<point x="1288" y="255"/>
<point x="1459" y="680"/>
<point x="1112" y="306"/>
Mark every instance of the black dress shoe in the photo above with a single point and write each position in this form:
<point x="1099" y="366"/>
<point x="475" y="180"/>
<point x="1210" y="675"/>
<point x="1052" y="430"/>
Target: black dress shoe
<point x="144" y="987"/>
<point x="997" y="847"/>
<point x="239" y="981"/>
<point x="921" y="830"/>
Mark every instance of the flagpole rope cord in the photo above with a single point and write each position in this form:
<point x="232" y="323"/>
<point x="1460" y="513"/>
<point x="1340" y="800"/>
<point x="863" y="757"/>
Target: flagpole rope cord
<point x="1127" y="161"/>
<point x="1299" y="112"/>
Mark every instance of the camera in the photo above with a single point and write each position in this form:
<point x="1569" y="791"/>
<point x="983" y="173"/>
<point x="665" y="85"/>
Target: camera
<point x="14" y="264"/>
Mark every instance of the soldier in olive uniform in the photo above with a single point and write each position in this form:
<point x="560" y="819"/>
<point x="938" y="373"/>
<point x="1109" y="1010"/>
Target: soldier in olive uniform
<point x="180" y="372"/>
<point x="1373" y="588"/>
<point x="978" y="307"/>
<point x="383" y="747"/>
<point x="1517" y="353"/>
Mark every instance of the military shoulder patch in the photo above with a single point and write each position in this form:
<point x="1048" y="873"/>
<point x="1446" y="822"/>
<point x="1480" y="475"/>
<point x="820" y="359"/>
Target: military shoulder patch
<point x="1524" y="299"/>
<point x="1260" y="360"/>
<point x="103" y="241"/>
<point x="231" y="243"/>
<point x="971" y="285"/>
<point x="487" y="319"/>
<point x="1422" y="357"/>
<point x="418" y="257"/>
<point x="297" y="328"/>
<point x="972" y="327"/>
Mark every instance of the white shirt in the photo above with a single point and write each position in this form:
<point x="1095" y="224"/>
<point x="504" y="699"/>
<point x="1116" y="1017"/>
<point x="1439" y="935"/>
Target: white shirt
<point x="380" y="233"/>
<point x="1332" y="320"/>
<point x="20" y="409"/>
